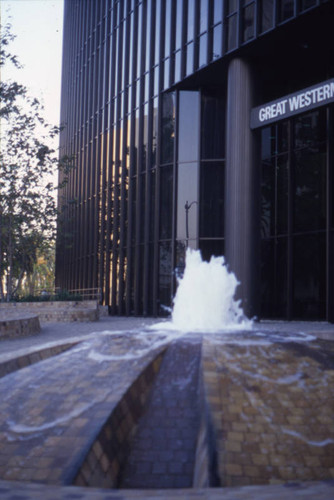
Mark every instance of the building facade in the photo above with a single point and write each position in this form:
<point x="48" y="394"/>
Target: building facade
<point x="200" y="123"/>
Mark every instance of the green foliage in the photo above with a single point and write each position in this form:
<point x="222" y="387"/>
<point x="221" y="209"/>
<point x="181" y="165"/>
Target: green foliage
<point x="28" y="163"/>
<point x="61" y="296"/>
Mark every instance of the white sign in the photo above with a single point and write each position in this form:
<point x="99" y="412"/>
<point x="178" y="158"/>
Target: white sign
<point x="292" y="104"/>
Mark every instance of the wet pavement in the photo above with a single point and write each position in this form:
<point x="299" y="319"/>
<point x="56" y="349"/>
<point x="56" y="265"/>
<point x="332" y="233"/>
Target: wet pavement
<point x="71" y="417"/>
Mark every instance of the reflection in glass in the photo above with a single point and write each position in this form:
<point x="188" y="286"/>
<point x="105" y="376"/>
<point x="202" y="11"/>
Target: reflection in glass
<point x="267" y="15"/>
<point x="167" y="128"/>
<point x="203" y="16"/>
<point x="309" y="299"/>
<point x="178" y="35"/>
<point x="189" y="116"/>
<point x="187" y="201"/>
<point x="191" y="21"/>
<point x="248" y="23"/>
<point x="190" y="58"/>
<point x="213" y="127"/>
<point x="166" y="202"/>
<point x="212" y="187"/>
<point x="232" y="32"/>
<point x="217" y="41"/>
<point x="203" y="50"/>
<point x="165" y="277"/>
<point x="310" y="190"/>
<point x="217" y="11"/>
<point x="286" y="9"/>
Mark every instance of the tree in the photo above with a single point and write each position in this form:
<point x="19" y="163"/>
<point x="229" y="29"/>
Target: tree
<point x="27" y="192"/>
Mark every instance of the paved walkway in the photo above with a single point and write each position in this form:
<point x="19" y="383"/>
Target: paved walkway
<point x="270" y="394"/>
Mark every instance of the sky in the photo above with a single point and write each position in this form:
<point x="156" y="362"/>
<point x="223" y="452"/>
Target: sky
<point x="37" y="25"/>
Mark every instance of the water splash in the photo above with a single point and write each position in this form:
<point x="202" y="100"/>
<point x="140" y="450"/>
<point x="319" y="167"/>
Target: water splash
<point x="205" y="298"/>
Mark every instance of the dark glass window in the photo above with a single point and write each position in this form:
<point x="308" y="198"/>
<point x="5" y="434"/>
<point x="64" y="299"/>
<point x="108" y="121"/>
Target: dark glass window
<point x="217" y="41"/>
<point x="212" y="127"/>
<point x="188" y="126"/>
<point x="286" y="9"/>
<point x="167" y="128"/>
<point x="203" y="19"/>
<point x="157" y="31"/>
<point x="267" y="15"/>
<point x="166" y="73"/>
<point x="179" y="19"/>
<point x="309" y="300"/>
<point x="166" y="202"/>
<point x="187" y="180"/>
<point x="178" y="66"/>
<point x="209" y="248"/>
<point x="191" y="21"/>
<point x="232" y="32"/>
<point x="232" y="6"/>
<point x="212" y="200"/>
<point x="190" y="58"/>
<point x="168" y="24"/>
<point x="248" y="22"/>
<point x="203" y="50"/>
<point x="154" y="133"/>
<point x="306" y="4"/>
<point x="217" y="11"/>
<point x="165" y="277"/>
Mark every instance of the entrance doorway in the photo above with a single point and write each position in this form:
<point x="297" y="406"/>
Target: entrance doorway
<point x="297" y="218"/>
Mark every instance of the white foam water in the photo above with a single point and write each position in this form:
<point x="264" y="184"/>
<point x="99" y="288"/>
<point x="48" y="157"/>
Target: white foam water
<point x="204" y="300"/>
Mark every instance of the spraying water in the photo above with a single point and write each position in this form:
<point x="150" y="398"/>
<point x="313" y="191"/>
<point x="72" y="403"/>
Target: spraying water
<point x="205" y="297"/>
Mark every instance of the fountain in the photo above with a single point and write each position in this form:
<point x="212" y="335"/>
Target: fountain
<point x="204" y="300"/>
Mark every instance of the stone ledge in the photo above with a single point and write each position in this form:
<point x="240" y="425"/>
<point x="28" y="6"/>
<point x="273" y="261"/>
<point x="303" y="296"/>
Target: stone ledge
<point x="12" y="326"/>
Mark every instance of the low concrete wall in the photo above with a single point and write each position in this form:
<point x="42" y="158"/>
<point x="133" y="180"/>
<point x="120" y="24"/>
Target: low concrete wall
<point x="54" y="311"/>
<point x="13" y="326"/>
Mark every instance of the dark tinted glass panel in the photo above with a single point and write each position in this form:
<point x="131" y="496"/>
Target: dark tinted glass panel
<point x="191" y="20"/>
<point x="154" y="133"/>
<point x="274" y="277"/>
<point x="190" y="58"/>
<point x="310" y="190"/>
<point x="232" y="32"/>
<point x="203" y="19"/>
<point x="268" y="199"/>
<point x="306" y="4"/>
<point x="309" y="276"/>
<point x="232" y="6"/>
<point x="310" y="130"/>
<point x="217" y="41"/>
<point x="212" y="200"/>
<point x="166" y="202"/>
<point x="152" y="204"/>
<point x="203" y="50"/>
<point x="188" y="126"/>
<point x="217" y="11"/>
<point x="248" y="23"/>
<point x="157" y="32"/>
<point x="178" y="66"/>
<point x="209" y="248"/>
<point x="165" y="276"/>
<point x="212" y="127"/>
<point x="166" y="73"/>
<point x="286" y="9"/>
<point x="167" y="129"/>
<point x="187" y="195"/>
<point x="282" y="194"/>
<point x="167" y="22"/>
<point x="178" y="37"/>
<point x="148" y="34"/>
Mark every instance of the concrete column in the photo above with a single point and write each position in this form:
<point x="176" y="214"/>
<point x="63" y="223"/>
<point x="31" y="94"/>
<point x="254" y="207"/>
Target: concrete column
<point x="242" y="190"/>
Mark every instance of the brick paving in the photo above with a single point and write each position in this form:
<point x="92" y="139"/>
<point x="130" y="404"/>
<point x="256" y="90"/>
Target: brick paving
<point x="164" y="448"/>
<point x="273" y="410"/>
<point x="270" y="397"/>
